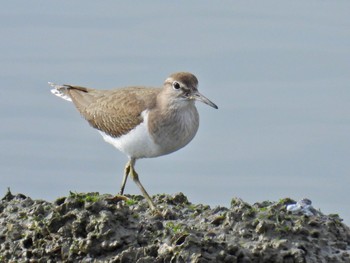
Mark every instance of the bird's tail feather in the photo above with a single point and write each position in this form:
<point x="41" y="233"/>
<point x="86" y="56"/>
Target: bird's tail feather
<point x="60" y="91"/>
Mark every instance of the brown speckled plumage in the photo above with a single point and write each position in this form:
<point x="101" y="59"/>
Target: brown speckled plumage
<point x="116" y="111"/>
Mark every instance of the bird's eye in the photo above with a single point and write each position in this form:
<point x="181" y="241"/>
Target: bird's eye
<point x="176" y="85"/>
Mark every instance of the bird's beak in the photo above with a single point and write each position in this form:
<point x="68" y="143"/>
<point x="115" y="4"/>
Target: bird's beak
<point x="202" y="98"/>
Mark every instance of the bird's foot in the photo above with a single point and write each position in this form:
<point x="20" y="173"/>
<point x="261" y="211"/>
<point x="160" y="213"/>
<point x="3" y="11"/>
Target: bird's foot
<point x="155" y="213"/>
<point x="117" y="198"/>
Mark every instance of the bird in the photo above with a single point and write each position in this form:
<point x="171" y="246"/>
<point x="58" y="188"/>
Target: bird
<point x="141" y="121"/>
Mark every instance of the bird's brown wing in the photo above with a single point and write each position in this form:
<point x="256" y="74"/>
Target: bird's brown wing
<point x="116" y="111"/>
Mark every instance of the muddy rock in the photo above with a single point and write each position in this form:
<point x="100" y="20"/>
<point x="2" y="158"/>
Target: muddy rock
<point x="89" y="227"/>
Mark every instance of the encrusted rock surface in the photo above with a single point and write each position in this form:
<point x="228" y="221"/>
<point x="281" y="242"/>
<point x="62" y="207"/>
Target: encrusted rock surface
<point x="99" y="228"/>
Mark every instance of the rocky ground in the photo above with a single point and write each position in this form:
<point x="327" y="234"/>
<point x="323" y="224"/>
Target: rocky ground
<point x="99" y="228"/>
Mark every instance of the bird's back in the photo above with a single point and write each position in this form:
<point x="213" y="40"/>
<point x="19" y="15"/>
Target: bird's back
<point x="114" y="112"/>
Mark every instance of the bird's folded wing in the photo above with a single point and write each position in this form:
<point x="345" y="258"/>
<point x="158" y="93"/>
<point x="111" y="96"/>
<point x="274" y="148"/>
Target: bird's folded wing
<point x="116" y="111"/>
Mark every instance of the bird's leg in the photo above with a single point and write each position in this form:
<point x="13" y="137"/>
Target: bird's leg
<point x="125" y="177"/>
<point x="135" y="177"/>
